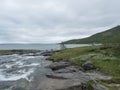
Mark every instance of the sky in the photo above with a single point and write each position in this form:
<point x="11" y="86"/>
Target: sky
<point x="54" y="21"/>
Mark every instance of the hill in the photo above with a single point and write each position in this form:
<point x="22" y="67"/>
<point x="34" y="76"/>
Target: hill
<point x="109" y="36"/>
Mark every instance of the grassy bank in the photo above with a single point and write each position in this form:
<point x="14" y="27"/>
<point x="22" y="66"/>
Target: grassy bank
<point x="5" y="52"/>
<point x="106" y="59"/>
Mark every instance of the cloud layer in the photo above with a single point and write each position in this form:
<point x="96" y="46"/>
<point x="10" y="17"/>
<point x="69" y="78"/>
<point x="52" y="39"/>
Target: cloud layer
<point x="51" y="21"/>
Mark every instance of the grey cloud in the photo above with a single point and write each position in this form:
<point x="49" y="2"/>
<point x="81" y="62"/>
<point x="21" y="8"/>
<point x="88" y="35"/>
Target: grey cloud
<point x="50" y="21"/>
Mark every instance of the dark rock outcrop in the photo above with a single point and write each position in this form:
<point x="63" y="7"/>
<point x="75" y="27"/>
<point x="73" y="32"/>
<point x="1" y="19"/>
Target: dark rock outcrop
<point x="88" y="65"/>
<point x="47" y="53"/>
<point x="65" y="76"/>
<point x="59" y="65"/>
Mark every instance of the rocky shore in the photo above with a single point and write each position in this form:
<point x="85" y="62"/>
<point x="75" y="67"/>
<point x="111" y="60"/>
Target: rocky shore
<point x="61" y="75"/>
<point x="65" y="76"/>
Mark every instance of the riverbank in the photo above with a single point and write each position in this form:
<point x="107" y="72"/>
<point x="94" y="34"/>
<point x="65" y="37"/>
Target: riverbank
<point x="83" y="68"/>
<point x="22" y="69"/>
<point x="105" y="59"/>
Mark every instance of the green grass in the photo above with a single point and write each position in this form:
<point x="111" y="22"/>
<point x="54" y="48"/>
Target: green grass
<point x="104" y="58"/>
<point x="109" y="36"/>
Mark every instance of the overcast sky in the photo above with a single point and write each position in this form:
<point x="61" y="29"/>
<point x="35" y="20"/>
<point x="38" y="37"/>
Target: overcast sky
<point x="52" y="21"/>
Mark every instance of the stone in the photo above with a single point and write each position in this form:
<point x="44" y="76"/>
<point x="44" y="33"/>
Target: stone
<point x="59" y="65"/>
<point x="98" y="86"/>
<point x="18" y="88"/>
<point x="56" y="84"/>
<point x="88" y="65"/>
<point x="55" y="76"/>
<point x="69" y="69"/>
<point x="21" y="84"/>
<point x="47" y="53"/>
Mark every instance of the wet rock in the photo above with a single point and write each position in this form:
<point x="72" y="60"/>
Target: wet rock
<point x="3" y="67"/>
<point x="47" y="53"/>
<point x="18" y="88"/>
<point x="59" y="65"/>
<point x="100" y="87"/>
<point x="76" y="75"/>
<point x="54" y="76"/>
<point x="70" y="69"/>
<point x="21" y="84"/>
<point x="6" y="84"/>
<point x="37" y="53"/>
<point x="4" y="62"/>
<point x="12" y="69"/>
<point x="77" y="87"/>
<point x="88" y="65"/>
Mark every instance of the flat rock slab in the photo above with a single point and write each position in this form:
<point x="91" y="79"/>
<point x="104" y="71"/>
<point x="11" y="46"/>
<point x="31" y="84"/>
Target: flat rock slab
<point x="56" y="84"/>
<point x="69" y="69"/>
<point x="95" y="75"/>
<point x="75" y="75"/>
<point x="65" y="76"/>
<point x="59" y="65"/>
<point x="100" y="87"/>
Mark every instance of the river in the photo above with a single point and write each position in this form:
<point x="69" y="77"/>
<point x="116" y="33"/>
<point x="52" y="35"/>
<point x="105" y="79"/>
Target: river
<point x="17" y="68"/>
<point x="38" y="46"/>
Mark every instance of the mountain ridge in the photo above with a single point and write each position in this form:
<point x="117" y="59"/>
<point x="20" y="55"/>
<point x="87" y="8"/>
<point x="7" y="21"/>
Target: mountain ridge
<point x="109" y="36"/>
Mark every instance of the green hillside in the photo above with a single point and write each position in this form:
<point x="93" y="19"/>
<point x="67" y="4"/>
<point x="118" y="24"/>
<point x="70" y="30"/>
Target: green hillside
<point x="109" y="36"/>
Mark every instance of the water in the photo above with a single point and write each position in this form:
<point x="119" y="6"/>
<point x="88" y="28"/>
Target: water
<point x="31" y="68"/>
<point x="14" y="67"/>
<point x="38" y="46"/>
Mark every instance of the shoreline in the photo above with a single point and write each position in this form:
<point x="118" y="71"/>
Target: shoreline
<point x="61" y="74"/>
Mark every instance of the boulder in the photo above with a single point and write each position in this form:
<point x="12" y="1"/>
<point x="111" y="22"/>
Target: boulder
<point x="55" y="76"/>
<point x="47" y="53"/>
<point x="69" y="69"/>
<point x="88" y="65"/>
<point x="59" y="65"/>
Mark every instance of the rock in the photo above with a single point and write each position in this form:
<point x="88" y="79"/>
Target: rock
<point x="77" y="87"/>
<point x="59" y="65"/>
<point x="69" y="69"/>
<point x="76" y="75"/>
<point x="55" y="76"/>
<point x="6" y="84"/>
<point x="18" y="88"/>
<point x="4" y="62"/>
<point x="56" y="84"/>
<point x="98" y="75"/>
<point x="99" y="87"/>
<point x="21" y="84"/>
<point x="47" y="53"/>
<point x="88" y="65"/>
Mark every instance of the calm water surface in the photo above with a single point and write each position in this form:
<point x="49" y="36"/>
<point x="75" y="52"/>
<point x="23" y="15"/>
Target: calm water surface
<point x="38" y="46"/>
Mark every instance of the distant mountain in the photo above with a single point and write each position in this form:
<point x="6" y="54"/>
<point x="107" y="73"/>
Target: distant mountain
<point x="109" y="36"/>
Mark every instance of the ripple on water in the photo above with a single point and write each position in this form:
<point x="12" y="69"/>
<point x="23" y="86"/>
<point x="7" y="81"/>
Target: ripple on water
<point x="14" y="67"/>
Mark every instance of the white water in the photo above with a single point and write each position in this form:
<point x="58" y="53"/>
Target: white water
<point x="14" y="67"/>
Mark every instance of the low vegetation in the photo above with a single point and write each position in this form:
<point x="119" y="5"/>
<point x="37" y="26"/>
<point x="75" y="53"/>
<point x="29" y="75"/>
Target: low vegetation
<point x="105" y="58"/>
<point x="109" y="36"/>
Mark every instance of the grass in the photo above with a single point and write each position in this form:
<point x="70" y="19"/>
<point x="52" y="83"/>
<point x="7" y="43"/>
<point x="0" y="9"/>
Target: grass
<point x="106" y="59"/>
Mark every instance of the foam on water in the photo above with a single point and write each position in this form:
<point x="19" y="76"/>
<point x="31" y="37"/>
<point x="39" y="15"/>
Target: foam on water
<point x="15" y="67"/>
<point x="15" y="77"/>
